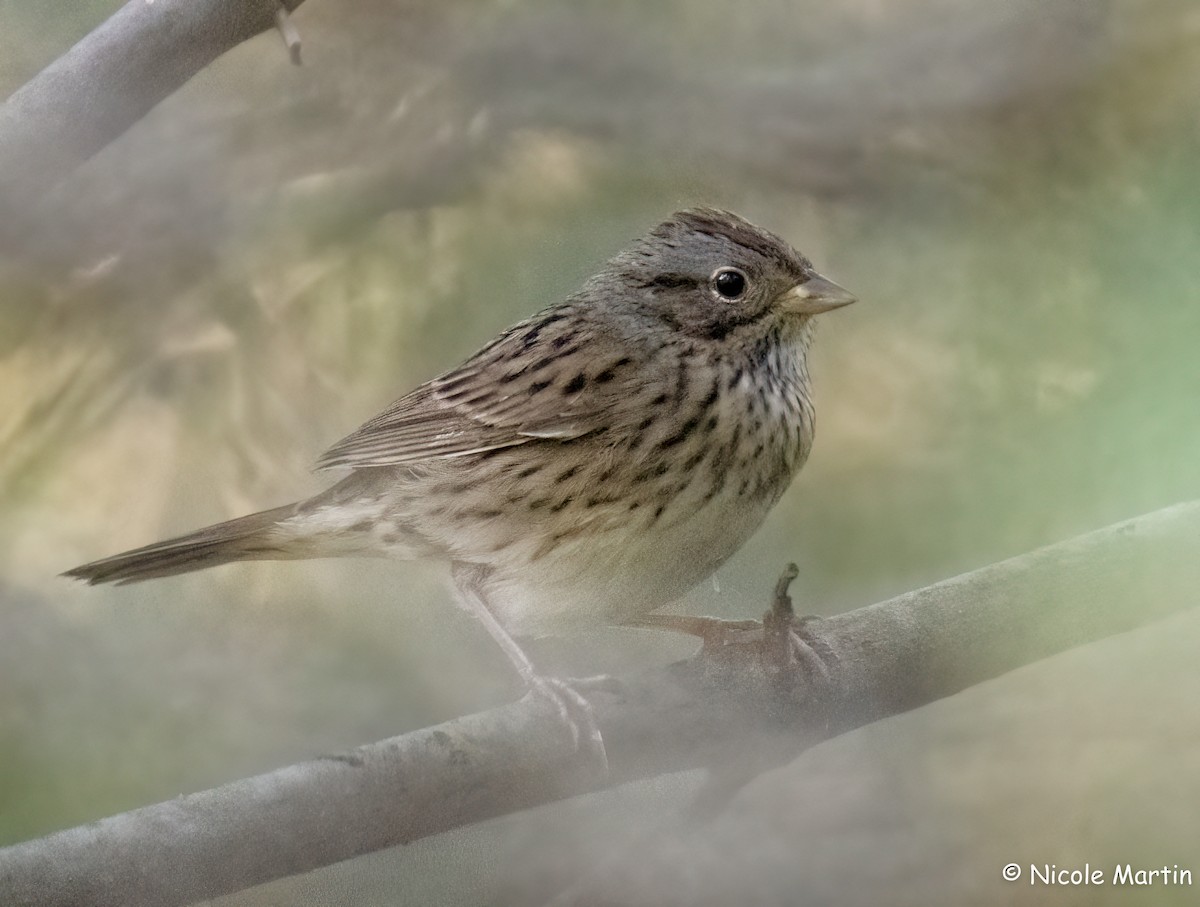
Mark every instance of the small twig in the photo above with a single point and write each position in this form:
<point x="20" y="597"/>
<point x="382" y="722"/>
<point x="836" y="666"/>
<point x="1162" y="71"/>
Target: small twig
<point x="287" y="30"/>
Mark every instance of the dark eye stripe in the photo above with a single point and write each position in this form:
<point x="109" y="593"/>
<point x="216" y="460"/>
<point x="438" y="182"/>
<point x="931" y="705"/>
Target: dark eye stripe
<point x="672" y="281"/>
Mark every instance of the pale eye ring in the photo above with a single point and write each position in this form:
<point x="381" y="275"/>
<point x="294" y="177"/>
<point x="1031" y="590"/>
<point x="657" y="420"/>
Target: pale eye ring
<point x="730" y="283"/>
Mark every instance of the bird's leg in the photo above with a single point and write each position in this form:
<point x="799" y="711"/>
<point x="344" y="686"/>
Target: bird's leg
<point x="712" y="631"/>
<point x="573" y="708"/>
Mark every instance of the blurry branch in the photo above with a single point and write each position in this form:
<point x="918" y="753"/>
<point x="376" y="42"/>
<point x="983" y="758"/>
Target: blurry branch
<point x="830" y="119"/>
<point x="109" y="81"/>
<point x="725" y="708"/>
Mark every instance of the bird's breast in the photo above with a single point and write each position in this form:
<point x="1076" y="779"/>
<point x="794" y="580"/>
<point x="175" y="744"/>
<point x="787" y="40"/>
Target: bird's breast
<point x="631" y="520"/>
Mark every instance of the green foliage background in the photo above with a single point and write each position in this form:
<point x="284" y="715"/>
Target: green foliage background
<point x="275" y="253"/>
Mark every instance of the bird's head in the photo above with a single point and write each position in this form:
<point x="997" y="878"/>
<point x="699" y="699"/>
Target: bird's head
<point x="710" y="274"/>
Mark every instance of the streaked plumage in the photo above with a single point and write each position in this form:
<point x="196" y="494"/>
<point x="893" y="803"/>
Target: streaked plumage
<point x="591" y="463"/>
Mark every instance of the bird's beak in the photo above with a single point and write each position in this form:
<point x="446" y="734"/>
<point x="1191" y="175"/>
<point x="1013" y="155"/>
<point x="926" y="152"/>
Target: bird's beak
<point x="814" y="296"/>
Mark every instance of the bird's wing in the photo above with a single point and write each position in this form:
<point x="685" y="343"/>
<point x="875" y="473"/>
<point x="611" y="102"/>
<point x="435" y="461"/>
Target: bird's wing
<point x="554" y="376"/>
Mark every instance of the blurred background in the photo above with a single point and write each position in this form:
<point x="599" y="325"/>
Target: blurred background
<point x="275" y="253"/>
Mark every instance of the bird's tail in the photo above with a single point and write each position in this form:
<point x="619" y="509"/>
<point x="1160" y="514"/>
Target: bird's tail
<point x="247" y="538"/>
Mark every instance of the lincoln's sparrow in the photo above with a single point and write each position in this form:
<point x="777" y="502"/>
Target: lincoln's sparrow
<point x="591" y="463"/>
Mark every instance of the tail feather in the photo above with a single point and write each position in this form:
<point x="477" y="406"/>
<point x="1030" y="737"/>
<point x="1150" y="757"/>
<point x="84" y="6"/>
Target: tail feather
<point x="246" y="538"/>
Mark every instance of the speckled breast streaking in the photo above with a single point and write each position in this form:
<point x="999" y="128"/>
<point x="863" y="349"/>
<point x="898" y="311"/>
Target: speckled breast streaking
<point x="623" y="520"/>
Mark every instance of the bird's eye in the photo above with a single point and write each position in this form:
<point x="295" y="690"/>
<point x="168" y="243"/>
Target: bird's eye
<point x="729" y="283"/>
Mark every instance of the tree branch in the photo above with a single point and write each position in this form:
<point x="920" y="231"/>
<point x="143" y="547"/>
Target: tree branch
<point x="720" y="708"/>
<point x="110" y="80"/>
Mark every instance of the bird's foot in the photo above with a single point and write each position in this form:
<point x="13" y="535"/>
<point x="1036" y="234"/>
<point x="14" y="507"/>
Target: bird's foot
<point x="575" y="712"/>
<point x="570" y="704"/>
<point x="790" y="649"/>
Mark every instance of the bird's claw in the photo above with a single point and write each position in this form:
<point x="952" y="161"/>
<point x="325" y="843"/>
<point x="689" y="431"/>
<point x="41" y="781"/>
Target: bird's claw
<point x="790" y="650"/>
<point x="575" y="712"/>
<point x="789" y="646"/>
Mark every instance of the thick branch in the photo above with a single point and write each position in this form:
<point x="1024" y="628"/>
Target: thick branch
<point x="714" y="709"/>
<point x="109" y="81"/>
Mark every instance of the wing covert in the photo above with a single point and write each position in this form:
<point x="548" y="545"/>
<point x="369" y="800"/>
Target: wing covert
<point x="557" y="376"/>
